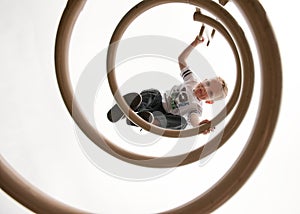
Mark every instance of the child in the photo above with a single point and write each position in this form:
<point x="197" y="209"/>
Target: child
<point x="167" y="110"/>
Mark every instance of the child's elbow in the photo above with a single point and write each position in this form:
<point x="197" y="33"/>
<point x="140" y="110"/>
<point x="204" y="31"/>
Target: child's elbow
<point x="181" y="62"/>
<point x="181" y="59"/>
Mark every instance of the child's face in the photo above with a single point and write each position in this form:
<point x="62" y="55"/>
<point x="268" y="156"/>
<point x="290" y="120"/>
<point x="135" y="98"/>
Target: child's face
<point x="208" y="89"/>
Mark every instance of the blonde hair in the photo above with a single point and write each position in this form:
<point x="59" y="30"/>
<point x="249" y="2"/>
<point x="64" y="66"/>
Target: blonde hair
<point x="224" y="89"/>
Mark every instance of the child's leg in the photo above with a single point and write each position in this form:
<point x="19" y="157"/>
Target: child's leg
<point x="151" y="110"/>
<point x="151" y="101"/>
<point x="169" y="121"/>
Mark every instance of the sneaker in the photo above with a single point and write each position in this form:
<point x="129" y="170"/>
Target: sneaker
<point x="115" y="113"/>
<point x="146" y="115"/>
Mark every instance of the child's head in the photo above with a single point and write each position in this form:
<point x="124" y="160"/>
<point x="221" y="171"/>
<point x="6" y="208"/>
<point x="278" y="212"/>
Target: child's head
<point x="211" y="90"/>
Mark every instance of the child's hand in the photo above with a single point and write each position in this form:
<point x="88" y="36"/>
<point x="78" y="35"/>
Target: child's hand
<point x="210" y="129"/>
<point x="199" y="40"/>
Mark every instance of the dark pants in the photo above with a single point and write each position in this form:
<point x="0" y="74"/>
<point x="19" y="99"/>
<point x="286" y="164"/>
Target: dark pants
<point x="152" y="102"/>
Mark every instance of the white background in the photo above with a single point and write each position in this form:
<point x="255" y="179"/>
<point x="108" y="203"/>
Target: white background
<point x="38" y="138"/>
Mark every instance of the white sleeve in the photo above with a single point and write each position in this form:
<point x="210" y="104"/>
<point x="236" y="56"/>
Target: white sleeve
<point x="194" y="119"/>
<point x="187" y="74"/>
<point x="194" y="115"/>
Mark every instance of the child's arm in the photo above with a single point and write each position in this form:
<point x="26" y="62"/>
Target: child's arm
<point x="194" y="119"/>
<point x="186" y="52"/>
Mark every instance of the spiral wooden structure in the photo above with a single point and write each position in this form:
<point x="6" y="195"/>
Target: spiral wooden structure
<point x="32" y="198"/>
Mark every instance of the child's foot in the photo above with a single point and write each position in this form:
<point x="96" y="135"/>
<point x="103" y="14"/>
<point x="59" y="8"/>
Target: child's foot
<point x="132" y="99"/>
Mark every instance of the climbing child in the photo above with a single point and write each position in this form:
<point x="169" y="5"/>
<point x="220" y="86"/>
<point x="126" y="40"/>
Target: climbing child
<point x="169" y="109"/>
